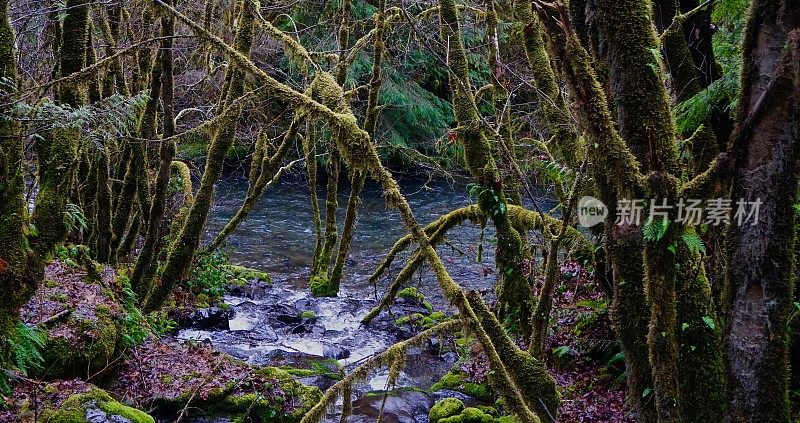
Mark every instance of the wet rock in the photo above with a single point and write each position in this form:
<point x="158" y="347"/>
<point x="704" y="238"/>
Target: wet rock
<point x="253" y="289"/>
<point x="411" y="306"/>
<point x="263" y="333"/>
<point x="94" y="415"/>
<point x="302" y="328"/>
<point x="289" y="318"/>
<point x="402" y="406"/>
<point x="449" y="357"/>
<point x="242" y="323"/>
<point x="209" y="318"/>
<point x="434" y="345"/>
<point x="335" y="352"/>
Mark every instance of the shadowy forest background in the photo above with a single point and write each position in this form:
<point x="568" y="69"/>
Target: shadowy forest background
<point x="119" y="118"/>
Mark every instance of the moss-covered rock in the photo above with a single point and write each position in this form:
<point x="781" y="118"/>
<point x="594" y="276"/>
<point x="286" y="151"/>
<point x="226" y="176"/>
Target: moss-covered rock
<point x="452" y="410"/>
<point x="321" y="286"/>
<point x="79" y="408"/>
<point x="445" y="408"/>
<point x="456" y="380"/>
<point x="302" y="397"/>
<point x="469" y="415"/>
<point x="77" y="347"/>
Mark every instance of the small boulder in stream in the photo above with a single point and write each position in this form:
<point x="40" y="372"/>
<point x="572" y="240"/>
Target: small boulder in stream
<point x="209" y="318"/>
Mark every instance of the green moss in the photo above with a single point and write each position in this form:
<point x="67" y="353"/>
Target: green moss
<point x="411" y="293"/>
<point x="321" y="286"/>
<point x="114" y="408"/>
<point x="456" y="380"/>
<point x="463" y="415"/>
<point x="74" y="408"/>
<point x="97" y="341"/>
<point x="248" y="274"/>
<point x="445" y="408"/>
<point x="308" y="314"/>
<point x="307" y="395"/>
<point x="300" y="372"/>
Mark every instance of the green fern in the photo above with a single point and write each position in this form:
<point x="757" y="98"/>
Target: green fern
<point x="554" y="172"/>
<point x="74" y="218"/>
<point x="655" y="229"/>
<point x="26" y="348"/>
<point x="694" y="243"/>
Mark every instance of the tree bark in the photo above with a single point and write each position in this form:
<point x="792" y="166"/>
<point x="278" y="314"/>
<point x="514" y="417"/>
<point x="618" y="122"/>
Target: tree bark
<point x="761" y="256"/>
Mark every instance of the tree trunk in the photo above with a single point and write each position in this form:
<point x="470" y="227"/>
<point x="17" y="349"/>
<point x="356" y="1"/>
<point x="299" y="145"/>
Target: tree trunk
<point x="761" y="256"/>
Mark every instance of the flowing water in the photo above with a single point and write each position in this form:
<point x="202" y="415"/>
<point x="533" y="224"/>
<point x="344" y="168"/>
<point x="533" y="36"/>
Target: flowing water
<point x="278" y="237"/>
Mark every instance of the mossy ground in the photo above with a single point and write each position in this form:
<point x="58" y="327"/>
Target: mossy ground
<point x="66" y="401"/>
<point x="214" y="383"/>
<point x="80" y="320"/>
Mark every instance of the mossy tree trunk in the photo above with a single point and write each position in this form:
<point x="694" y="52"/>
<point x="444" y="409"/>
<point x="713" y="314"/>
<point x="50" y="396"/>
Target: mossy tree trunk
<point x="23" y="252"/>
<point x="761" y="258"/>
<point x="188" y="238"/>
<point x="320" y="281"/>
<point x="15" y="277"/>
<point x="147" y="261"/>
<point x="514" y="291"/>
<point x="357" y="178"/>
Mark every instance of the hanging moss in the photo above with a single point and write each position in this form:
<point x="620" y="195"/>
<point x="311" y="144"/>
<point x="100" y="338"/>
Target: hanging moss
<point x="359" y="153"/>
